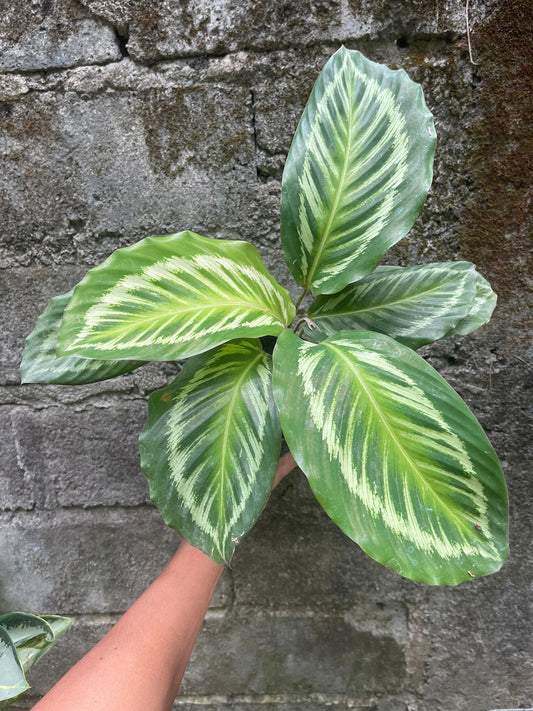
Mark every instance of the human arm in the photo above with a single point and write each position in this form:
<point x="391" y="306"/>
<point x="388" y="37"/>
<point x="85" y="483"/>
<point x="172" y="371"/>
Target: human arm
<point x="140" y="662"/>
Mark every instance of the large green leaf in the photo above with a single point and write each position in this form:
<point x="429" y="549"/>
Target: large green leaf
<point x="211" y="446"/>
<point x="39" y="361"/>
<point x="393" y="455"/>
<point x="357" y="172"/>
<point x="33" y="650"/>
<point x="12" y="679"/>
<point x="172" y="297"/>
<point x="414" y="305"/>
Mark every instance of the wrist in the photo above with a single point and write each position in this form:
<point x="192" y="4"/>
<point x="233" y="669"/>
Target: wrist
<point x="190" y="559"/>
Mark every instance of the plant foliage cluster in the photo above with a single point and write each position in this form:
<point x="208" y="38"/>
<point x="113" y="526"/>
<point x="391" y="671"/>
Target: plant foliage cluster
<point x="391" y="452"/>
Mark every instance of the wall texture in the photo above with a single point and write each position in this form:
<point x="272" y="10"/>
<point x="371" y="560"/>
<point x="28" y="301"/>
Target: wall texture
<point x="126" y="118"/>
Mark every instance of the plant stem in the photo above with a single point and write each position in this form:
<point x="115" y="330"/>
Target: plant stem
<point x="301" y="298"/>
<point x="298" y="324"/>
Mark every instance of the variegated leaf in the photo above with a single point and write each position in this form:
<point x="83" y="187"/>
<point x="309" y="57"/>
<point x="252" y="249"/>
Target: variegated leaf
<point x="12" y="679"/>
<point x="172" y="297"/>
<point x="211" y="446"/>
<point x="414" y="305"/>
<point x="357" y="172"/>
<point x="482" y="308"/>
<point x="39" y="361"/>
<point x="393" y="455"/>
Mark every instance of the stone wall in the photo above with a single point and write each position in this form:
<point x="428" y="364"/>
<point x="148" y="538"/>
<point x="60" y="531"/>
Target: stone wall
<point x="126" y="118"/>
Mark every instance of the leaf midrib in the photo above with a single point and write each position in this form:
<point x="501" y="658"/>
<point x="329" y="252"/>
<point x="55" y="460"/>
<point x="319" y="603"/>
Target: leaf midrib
<point x="383" y="304"/>
<point x="227" y="427"/>
<point x="200" y="307"/>
<point x="333" y="212"/>
<point x="390" y="430"/>
<point x="119" y="329"/>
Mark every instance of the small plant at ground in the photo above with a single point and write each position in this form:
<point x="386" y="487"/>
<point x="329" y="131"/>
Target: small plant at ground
<point x="391" y="452"/>
<point x="24" y="638"/>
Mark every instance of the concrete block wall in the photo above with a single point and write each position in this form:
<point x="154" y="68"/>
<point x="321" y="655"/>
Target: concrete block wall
<point x="123" y="119"/>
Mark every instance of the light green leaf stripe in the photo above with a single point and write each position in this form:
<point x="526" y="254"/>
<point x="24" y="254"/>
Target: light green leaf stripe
<point x="393" y="455"/>
<point x="172" y="297"/>
<point x="414" y="305"/>
<point x="357" y="172"/>
<point x="211" y="446"/>
<point x="39" y="361"/>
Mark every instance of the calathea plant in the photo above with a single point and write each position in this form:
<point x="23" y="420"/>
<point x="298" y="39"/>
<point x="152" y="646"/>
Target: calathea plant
<point x="390" y="450"/>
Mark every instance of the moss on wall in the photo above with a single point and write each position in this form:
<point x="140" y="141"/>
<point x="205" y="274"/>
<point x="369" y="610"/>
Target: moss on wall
<point x="496" y="231"/>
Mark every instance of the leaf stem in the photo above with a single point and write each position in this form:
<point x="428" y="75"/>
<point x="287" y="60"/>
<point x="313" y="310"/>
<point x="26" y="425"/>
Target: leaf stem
<point x="301" y="298"/>
<point x="298" y="324"/>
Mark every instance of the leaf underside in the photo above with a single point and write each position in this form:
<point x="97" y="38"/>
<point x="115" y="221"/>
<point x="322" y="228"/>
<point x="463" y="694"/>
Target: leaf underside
<point x="24" y="627"/>
<point x="482" y="308"/>
<point x="211" y="446"/>
<point x="415" y="305"/>
<point x="24" y="638"/>
<point x="12" y="679"/>
<point x="357" y="172"/>
<point x="172" y="297"/>
<point x="393" y="455"/>
<point x="40" y="364"/>
<point x="33" y="650"/>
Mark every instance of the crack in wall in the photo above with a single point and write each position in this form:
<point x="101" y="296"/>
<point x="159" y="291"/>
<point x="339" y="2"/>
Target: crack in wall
<point x="437" y="43"/>
<point x="45" y="71"/>
<point x="122" y="38"/>
<point x="254" y="130"/>
<point x="120" y="28"/>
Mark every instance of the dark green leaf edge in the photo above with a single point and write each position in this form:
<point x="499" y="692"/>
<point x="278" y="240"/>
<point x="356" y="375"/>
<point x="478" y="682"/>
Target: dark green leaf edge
<point x="41" y="365"/>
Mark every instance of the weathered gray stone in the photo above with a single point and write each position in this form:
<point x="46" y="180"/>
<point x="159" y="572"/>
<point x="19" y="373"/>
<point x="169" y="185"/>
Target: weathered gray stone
<point x="83" y="458"/>
<point x="76" y="562"/>
<point x="279" y="702"/>
<point x="491" y="658"/>
<point x="478" y="635"/>
<point x="51" y="35"/>
<point x="264" y="654"/>
<point x="85" y="633"/>
<point x="159" y="30"/>
<point x="16" y="482"/>
<point x="316" y="565"/>
<point x="182" y="170"/>
<point x="108" y="168"/>
<point x="391" y="705"/>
